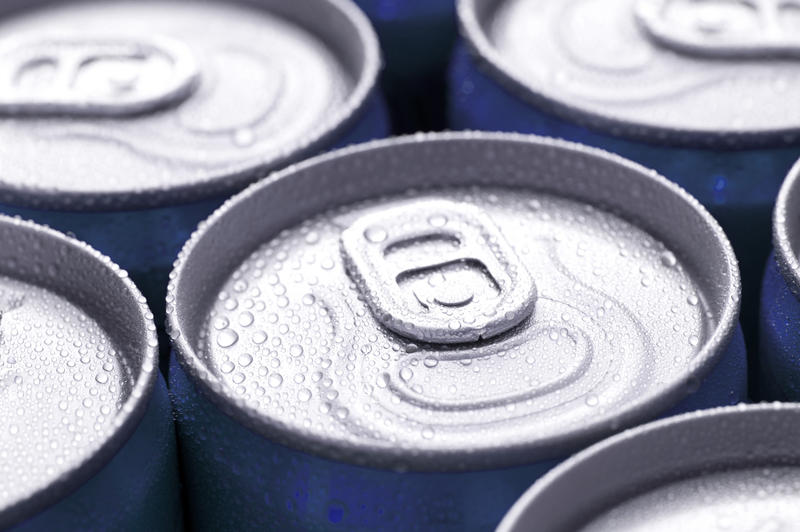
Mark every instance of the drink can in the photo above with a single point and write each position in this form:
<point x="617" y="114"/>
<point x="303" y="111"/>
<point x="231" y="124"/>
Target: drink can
<point x="780" y="309"/>
<point x="126" y="123"/>
<point x="724" y="469"/>
<point x="439" y="322"/>
<point x="697" y="90"/>
<point x="417" y="38"/>
<point x="87" y="440"/>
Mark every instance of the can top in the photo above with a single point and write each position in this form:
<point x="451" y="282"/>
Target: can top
<point x="78" y="355"/>
<point x="453" y="301"/>
<point x="786" y="229"/>
<point x="155" y="103"/>
<point x="734" y="468"/>
<point x="705" y="73"/>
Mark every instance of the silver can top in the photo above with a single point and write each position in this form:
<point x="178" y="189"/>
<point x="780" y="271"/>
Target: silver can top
<point x="733" y="469"/>
<point x="78" y="354"/>
<point x="786" y="229"/>
<point x="123" y="103"/>
<point x="707" y="72"/>
<point x="542" y="295"/>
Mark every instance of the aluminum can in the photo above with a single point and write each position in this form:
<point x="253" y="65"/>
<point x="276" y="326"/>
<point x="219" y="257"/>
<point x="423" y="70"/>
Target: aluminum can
<point x="445" y="317"/>
<point x="134" y="125"/>
<point x="87" y="440"/>
<point x="731" y="469"/>
<point x="779" y="337"/>
<point x="697" y="90"/>
<point x="417" y="38"/>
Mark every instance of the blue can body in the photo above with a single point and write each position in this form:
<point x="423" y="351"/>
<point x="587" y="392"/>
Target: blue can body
<point x="115" y="499"/>
<point x="779" y="354"/>
<point x="145" y="242"/>
<point x="236" y="479"/>
<point x="738" y="186"/>
<point x="417" y="37"/>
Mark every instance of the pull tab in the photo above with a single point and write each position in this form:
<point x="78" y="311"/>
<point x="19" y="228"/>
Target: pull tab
<point x="438" y="271"/>
<point x="719" y="28"/>
<point x="85" y="76"/>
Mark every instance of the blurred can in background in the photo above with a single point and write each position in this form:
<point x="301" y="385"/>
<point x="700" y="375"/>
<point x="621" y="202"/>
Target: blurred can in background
<point x="779" y="354"/>
<point x="417" y="38"/>
<point x="697" y="90"/>
<point x="126" y="123"/>
<point x="87" y="440"/>
<point x="444" y="318"/>
<point x="726" y="469"/>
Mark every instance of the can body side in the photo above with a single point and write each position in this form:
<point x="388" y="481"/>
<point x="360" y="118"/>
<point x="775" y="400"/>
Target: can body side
<point x="145" y="242"/>
<point x="413" y="74"/>
<point x="738" y="187"/>
<point x="137" y="490"/>
<point x="234" y="477"/>
<point x="779" y="354"/>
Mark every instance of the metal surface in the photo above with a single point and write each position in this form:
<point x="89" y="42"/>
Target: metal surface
<point x="651" y="70"/>
<point x="732" y="469"/>
<point x="205" y="96"/>
<point x="475" y="288"/>
<point x="779" y="359"/>
<point x="629" y="317"/>
<point x="786" y="229"/>
<point x="78" y="357"/>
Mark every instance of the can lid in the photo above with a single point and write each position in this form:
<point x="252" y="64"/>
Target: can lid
<point x="489" y="300"/>
<point x="786" y="229"/>
<point x="78" y="354"/>
<point x="734" y="468"/>
<point x="701" y="73"/>
<point x="156" y="103"/>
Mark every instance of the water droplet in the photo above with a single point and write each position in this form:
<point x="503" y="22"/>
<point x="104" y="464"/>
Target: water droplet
<point x="246" y="318"/>
<point x="431" y="362"/>
<point x="296" y="350"/>
<point x="428" y="433"/>
<point x="227" y="366"/>
<point x="437" y="220"/>
<point x="245" y="360"/>
<point x="406" y="374"/>
<point x="275" y="380"/>
<point x="692" y="300"/>
<point x="668" y="259"/>
<point x="304" y="395"/>
<point x="375" y="234"/>
<point x="227" y="338"/>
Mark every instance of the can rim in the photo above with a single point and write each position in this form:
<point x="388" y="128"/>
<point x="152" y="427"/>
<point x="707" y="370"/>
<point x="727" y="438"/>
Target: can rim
<point x="384" y="457"/>
<point x="785" y="255"/>
<point x="237" y="175"/>
<point x="127" y="419"/>
<point x="492" y="62"/>
<point x="514" y="518"/>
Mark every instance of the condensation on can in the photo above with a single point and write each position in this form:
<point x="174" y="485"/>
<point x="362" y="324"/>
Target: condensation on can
<point x="444" y="318"/>
<point x="735" y="468"/>
<point x="131" y="131"/>
<point x="87" y="440"/>
<point x="780" y="308"/>
<point x="695" y="90"/>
